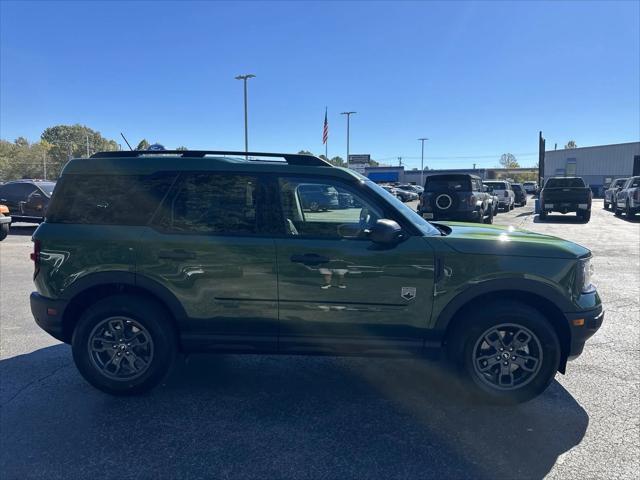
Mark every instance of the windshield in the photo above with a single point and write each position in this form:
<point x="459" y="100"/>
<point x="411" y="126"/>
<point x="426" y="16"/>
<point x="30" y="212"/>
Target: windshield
<point x="565" y="183"/>
<point x="47" y="187"/>
<point x="497" y="185"/>
<point x="425" y="227"/>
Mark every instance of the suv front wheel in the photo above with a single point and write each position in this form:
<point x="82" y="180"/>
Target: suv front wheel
<point x="508" y="352"/>
<point x="124" y="344"/>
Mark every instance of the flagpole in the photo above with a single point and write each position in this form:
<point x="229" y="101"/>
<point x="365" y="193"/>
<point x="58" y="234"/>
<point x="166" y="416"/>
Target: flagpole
<point x="326" y="144"/>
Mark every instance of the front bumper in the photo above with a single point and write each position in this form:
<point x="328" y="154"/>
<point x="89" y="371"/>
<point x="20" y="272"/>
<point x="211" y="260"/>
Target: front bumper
<point x="48" y="315"/>
<point x="583" y="325"/>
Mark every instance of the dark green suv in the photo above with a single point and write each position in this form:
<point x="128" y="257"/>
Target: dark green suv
<point x="147" y="254"/>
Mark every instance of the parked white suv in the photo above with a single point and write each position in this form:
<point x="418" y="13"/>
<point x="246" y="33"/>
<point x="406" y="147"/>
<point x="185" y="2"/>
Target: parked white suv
<point x="502" y="189"/>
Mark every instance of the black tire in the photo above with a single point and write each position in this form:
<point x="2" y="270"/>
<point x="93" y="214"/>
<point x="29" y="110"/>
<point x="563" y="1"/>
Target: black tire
<point x="616" y="211"/>
<point x="4" y="231"/>
<point x="606" y="205"/>
<point x="627" y="210"/>
<point x="585" y="216"/>
<point x="542" y="215"/>
<point x="480" y="218"/>
<point x="489" y="219"/>
<point x="150" y="319"/>
<point x="465" y="343"/>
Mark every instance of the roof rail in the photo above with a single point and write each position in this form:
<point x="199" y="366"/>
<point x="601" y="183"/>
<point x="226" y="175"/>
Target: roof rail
<point x="290" y="158"/>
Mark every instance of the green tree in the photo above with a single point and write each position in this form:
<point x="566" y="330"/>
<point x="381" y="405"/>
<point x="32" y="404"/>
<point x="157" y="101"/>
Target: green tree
<point x="338" y="161"/>
<point x="304" y="152"/>
<point x="72" y="141"/>
<point x="143" y="145"/>
<point x="182" y="148"/>
<point x="508" y="160"/>
<point x="21" y="159"/>
<point x="571" y="144"/>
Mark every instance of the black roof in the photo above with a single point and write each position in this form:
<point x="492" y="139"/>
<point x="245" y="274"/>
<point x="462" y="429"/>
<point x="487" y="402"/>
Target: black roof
<point x="291" y="158"/>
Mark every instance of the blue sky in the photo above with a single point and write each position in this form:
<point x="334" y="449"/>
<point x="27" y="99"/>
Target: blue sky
<point x="478" y="79"/>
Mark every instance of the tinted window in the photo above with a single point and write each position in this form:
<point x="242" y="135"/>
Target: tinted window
<point x="211" y="203"/>
<point x="108" y="199"/>
<point x="448" y="182"/>
<point x="517" y="188"/>
<point x="16" y="191"/>
<point x="47" y="187"/>
<point x="634" y="182"/>
<point x="564" y="183"/>
<point x="498" y="185"/>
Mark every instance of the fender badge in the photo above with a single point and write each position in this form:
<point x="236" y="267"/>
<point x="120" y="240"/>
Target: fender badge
<point x="408" y="293"/>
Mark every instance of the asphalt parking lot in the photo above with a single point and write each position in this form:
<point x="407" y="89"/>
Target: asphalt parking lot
<point x="320" y="417"/>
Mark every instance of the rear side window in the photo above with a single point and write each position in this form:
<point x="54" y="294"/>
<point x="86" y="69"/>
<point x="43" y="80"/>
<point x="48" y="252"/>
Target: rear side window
<point x="565" y="183"/>
<point x="211" y="203"/>
<point x="108" y="199"/>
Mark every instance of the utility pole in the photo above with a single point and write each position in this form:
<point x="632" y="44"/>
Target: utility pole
<point x="44" y="164"/>
<point x="399" y="161"/>
<point x="422" y="162"/>
<point x="244" y="78"/>
<point x="87" y="137"/>
<point x="348" y="114"/>
<point x="474" y="166"/>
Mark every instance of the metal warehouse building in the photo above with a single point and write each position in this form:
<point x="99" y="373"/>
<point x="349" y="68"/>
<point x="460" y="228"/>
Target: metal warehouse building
<point x="598" y="165"/>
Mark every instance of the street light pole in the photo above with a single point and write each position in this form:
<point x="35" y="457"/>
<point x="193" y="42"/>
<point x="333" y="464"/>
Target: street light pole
<point x="348" y="114"/>
<point x="244" y="78"/>
<point x="422" y="162"/>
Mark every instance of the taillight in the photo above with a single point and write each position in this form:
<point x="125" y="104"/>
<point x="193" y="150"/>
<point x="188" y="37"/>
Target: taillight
<point x="35" y="256"/>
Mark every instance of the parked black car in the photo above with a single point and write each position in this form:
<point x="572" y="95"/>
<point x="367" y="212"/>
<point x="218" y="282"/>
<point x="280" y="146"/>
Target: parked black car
<point x="27" y="199"/>
<point x="456" y="197"/>
<point x="520" y="193"/>
<point x="564" y="195"/>
<point x="611" y="192"/>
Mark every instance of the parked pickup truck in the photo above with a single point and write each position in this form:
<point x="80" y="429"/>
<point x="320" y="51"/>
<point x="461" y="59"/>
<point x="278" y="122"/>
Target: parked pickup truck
<point x="564" y="195"/>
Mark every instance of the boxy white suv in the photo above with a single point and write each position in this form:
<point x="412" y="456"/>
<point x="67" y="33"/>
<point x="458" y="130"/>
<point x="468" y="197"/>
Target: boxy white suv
<point x="502" y="189"/>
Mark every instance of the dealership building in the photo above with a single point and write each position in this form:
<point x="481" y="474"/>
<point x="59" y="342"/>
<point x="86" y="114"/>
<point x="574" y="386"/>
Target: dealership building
<point x="598" y="165"/>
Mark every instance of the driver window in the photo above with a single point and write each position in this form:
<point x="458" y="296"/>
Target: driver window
<point x="325" y="209"/>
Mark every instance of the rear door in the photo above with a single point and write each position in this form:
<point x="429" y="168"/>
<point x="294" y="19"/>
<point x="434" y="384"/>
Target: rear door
<point x="339" y="292"/>
<point x="208" y="246"/>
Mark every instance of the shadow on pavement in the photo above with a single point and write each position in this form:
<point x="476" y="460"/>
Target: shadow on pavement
<point x="559" y="218"/>
<point x="275" y="416"/>
<point x="22" y="229"/>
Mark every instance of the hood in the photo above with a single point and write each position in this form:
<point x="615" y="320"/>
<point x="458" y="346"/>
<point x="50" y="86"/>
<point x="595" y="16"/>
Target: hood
<point x="497" y="240"/>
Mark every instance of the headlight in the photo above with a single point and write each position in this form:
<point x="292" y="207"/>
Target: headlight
<point x="586" y="276"/>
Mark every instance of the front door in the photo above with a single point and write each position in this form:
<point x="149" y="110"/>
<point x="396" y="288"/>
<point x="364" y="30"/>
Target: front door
<point x="208" y="248"/>
<point x="338" y="291"/>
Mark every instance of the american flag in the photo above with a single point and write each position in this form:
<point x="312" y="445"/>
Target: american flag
<point x="325" y="130"/>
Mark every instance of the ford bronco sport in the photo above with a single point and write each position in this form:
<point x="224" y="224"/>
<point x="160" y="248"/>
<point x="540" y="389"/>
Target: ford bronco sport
<point x="143" y="255"/>
<point x="460" y="197"/>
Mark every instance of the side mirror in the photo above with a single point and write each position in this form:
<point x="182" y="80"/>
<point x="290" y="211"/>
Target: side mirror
<point x="386" y="232"/>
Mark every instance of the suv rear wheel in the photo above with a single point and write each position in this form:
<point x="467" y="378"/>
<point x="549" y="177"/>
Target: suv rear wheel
<point x="124" y="344"/>
<point x="508" y="352"/>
